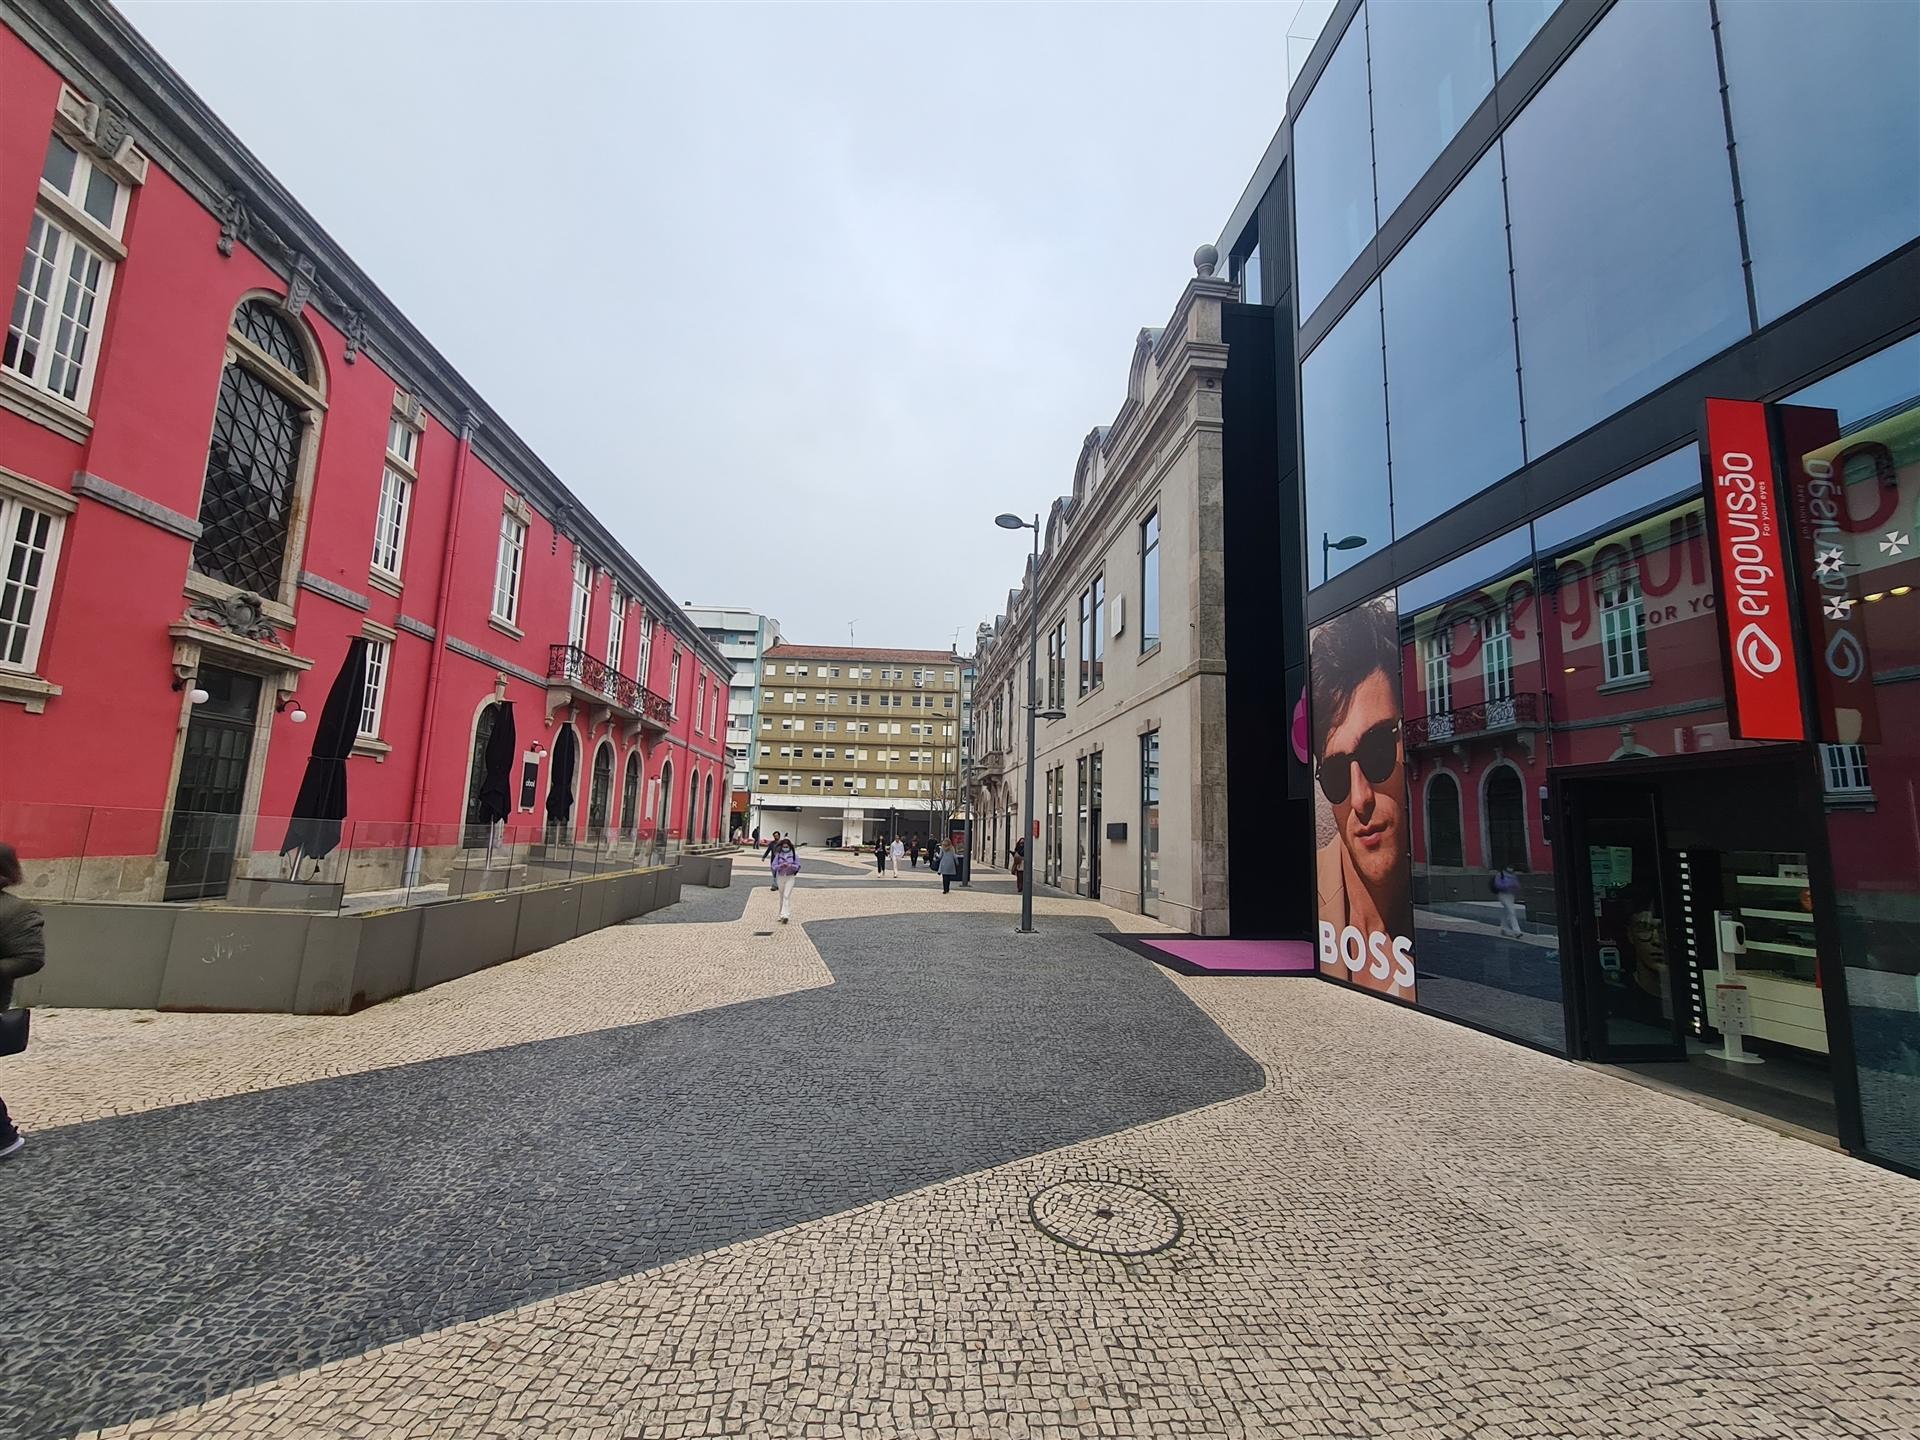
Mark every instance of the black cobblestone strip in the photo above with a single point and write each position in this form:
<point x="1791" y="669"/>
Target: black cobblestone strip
<point x="160" y="1259"/>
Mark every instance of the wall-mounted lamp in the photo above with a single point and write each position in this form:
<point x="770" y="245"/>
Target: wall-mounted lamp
<point x="298" y="716"/>
<point x="183" y="676"/>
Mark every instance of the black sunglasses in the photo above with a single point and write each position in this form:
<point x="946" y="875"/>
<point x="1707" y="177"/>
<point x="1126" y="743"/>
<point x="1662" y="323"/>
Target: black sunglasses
<point x="1378" y="752"/>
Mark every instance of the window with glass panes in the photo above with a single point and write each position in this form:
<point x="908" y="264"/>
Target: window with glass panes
<point x="616" y="627"/>
<point x="29" y="542"/>
<point x="1099" y="628"/>
<point x="582" y="601"/>
<point x="1150" y="582"/>
<point x="507" y="568"/>
<point x="1437" y="660"/>
<point x="1086" y="641"/>
<point x="1623" y="626"/>
<point x="1496" y="652"/>
<point x="390" y="524"/>
<point x="60" y="301"/>
<point x="374" y="698"/>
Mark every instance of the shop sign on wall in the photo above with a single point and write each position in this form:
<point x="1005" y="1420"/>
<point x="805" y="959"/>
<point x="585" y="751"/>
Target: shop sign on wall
<point x="1750" y="573"/>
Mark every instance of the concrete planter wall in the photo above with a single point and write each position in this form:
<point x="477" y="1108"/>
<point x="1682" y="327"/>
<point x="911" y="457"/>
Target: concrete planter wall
<point x="171" y="957"/>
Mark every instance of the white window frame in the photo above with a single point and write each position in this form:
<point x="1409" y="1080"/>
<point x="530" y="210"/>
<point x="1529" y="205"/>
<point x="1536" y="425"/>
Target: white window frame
<point x="51" y="528"/>
<point x="700" y="706"/>
<point x="403" y="442"/>
<point x="1623" y="630"/>
<point x="61" y="215"/>
<point x="646" y="647"/>
<point x="616" y="627"/>
<point x="1436" y="652"/>
<point x="1843" y="770"/>
<point x="581" y="613"/>
<point x="1496" y="653"/>
<point x="373" y="700"/>
<point x="390" y="522"/>
<point x="509" y="568"/>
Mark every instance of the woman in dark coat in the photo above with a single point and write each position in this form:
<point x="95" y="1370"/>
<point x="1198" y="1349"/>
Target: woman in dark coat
<point x="23" y="952"/>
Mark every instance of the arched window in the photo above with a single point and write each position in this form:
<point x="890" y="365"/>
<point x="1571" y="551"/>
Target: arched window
<point x="666" y="798"/>
<point x="475" y="833"/>
<point x="600" y="795"/>
<point x="693" y="801"/>
<point x="706" y="810"/>
<point x="1444" y="845"/>
<point x="630" y="797"/>
<point x="266" y="428"/>
<point x="1506" y="809"/>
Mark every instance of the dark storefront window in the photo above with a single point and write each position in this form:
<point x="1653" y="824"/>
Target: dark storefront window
<point x="1471" y="643"/>
<point x="1626" y="273"/>
<point x="1825" y="120"/>
<point x="1344" y="440"/>
<point x="1431" y="64"/>
<point x="1451" y="389"/>
<point x="1867" y="687"/>
<point x="1515" y="22"/>
<point x="1333" y="170"/>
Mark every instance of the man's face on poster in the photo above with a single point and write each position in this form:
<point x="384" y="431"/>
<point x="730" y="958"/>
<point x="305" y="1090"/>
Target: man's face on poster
<point x="1360" y="774"/>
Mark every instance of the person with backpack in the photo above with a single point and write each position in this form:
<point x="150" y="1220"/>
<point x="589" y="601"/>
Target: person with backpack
<point x="785" y="864"/>
<point x="1505" y="886"/>
<point x="23" y="952"/>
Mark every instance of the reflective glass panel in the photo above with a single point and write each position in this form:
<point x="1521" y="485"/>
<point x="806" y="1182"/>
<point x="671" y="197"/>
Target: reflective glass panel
<point x="1626" y="273"/>
<point x="1515" y="22"/>
<point x="1343" y="435"/>
<point x="1451" y="387"/>
<point x="1485" y="922"/>
<point x="1668" y="479"/>
<point x="1333" y="170"/>
<point x="1864" y="429"/>
<point x="1431" y="63"/>
<point x="1826" y="125"/>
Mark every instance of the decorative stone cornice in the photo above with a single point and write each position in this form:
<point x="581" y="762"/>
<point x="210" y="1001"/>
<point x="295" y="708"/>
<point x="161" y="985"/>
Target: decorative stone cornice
<point x="320" y="585"/>
<point x="139" y="506"/>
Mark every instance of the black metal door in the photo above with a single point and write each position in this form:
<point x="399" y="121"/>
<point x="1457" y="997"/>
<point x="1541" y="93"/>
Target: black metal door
<point x="207" y="803"/>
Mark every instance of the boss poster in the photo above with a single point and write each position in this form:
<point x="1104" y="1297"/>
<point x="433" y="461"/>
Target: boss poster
<point x="1365" y="863"/>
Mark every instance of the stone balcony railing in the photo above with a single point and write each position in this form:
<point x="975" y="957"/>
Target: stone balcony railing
<point x="1489" y="717"/>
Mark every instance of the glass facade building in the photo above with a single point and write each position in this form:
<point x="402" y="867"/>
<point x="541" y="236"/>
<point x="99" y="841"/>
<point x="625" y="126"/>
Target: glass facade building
<point x="1537" y="627"/>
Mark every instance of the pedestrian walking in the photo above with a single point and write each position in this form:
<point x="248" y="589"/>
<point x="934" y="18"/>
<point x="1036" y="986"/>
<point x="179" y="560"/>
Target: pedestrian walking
<point x="1019" y="860"/>
<point x="949" y="867"/>
<point x="1505" y="886"/>
<point x="23" y="952"/>
<point x="785" y="864"/>
<point x="880" y="856"/>
<point x="913" y="853"/>
<point x="771" y="846"/>
<point x="896" y="852"/>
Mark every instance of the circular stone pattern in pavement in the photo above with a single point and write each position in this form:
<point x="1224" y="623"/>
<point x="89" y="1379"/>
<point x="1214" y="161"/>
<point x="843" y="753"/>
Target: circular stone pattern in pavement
<point x="1107" y="1217"/>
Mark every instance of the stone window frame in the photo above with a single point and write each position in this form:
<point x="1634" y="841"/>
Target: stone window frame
<point x="309" y="399"/>
<point x="24" y="684"/>
<point x="105" y="145"/>
<point x="402" y="467"/>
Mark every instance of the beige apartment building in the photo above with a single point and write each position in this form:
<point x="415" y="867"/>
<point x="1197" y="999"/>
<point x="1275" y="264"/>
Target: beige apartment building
<point x="1131" y="593"/>
<point x="857" y="743"/>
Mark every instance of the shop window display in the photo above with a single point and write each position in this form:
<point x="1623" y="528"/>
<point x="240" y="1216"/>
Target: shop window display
<point x="1485" y="932"/>
<point x="1856" y="490"/>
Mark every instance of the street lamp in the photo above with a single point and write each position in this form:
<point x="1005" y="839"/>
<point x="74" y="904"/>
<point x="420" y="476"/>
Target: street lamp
<point x="1346" y="542"/>
<point x="1014" y="522"/>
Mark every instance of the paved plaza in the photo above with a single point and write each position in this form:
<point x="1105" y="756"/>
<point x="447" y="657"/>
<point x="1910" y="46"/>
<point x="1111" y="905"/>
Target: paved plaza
<point x="894" y="1170"/>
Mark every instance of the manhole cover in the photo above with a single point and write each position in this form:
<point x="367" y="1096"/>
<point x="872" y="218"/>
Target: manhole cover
<point x="1108" y="1217"/>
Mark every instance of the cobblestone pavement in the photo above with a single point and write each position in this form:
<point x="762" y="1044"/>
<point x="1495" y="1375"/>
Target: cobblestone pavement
<point x="814" y="1221"/>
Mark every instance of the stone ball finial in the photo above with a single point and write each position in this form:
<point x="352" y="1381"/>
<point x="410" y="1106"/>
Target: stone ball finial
<point x="1205" y="259"/>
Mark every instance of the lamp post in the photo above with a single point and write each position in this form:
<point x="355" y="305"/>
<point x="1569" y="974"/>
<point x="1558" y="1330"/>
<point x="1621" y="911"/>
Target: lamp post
<point x="1014" y="522"/>
<point x="1345" y="542"/>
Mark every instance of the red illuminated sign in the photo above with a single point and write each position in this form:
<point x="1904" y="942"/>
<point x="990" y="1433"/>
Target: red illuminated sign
<point x="1751" y="555"/>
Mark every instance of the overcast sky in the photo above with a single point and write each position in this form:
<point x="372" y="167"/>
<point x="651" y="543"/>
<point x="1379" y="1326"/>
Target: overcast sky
<point x="797" y="298"/>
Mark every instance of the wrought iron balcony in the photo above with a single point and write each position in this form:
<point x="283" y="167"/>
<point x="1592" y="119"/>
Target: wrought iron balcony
<point x="1489" y="717"/>
<point x="575" y="675"/>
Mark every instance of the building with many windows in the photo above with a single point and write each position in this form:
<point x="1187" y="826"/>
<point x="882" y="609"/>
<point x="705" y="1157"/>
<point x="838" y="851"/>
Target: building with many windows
<point x="743" y="637"/>
<point x="1608" y="478"/>
<point x="855" y="744"/>
<point x="231" y="473"/>
<point x="1159" y="697"/>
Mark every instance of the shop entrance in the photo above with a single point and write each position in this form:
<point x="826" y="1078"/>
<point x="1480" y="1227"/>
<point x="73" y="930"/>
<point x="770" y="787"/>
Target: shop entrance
<point x="1693" y="952"/>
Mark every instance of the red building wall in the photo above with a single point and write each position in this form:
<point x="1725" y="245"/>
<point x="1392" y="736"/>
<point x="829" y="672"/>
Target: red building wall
<point x="108" y="741"/>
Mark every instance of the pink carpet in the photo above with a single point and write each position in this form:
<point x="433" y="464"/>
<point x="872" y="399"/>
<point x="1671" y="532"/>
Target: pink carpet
<point x="1295" y="956"/>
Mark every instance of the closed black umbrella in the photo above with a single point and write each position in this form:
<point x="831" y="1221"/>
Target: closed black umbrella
<point x="314" y="829"/>
<point x="560" y="778"/>
<point x="496" y="781"/>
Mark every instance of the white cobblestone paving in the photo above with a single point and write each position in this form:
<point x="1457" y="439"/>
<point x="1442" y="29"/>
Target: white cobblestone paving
<point x="1411" y="1230"/>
